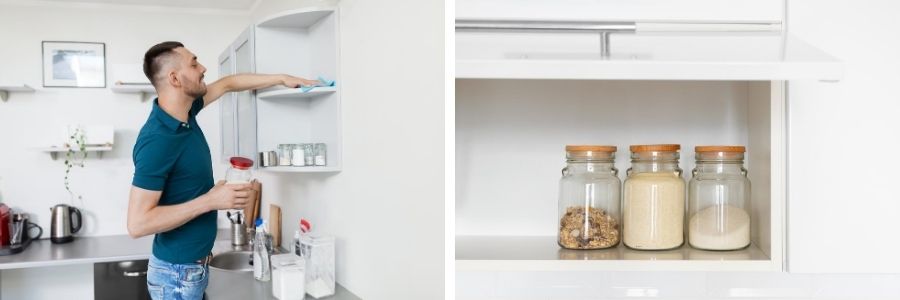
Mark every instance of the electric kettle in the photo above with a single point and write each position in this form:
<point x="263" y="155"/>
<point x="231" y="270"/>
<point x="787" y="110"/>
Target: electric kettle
<point x="65" y="221"/>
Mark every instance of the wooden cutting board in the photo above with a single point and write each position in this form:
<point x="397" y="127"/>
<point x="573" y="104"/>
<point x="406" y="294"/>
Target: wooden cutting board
<point x="275" y="224"/>
<point x="251" y="212"/>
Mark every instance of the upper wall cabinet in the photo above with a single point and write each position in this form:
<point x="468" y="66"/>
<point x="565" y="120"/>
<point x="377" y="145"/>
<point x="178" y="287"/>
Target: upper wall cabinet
<point x="534" y="76"/>
<point x="301" y="43"/>
<point x="638" y="40"/>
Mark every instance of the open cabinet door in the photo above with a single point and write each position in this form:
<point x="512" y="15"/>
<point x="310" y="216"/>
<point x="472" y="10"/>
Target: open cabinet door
<point x="843" y="205"/>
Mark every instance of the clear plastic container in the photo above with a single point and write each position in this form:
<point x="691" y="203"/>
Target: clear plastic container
<point x="288" y="278"/>
<point x="719" y="199"/>
<point x="653" y="202"/>
<point x="318" y="250"/>
<point x="589" y="199"/>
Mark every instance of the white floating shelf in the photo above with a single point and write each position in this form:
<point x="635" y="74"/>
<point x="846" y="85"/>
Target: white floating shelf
<point x="134" y="88"/>
<point x="289" y="169"/>
<point x="5" y="89"/>
<point x="541" y="253"/>
<point x="296" y="93"/>
<point x="300" y="18"/>
<point x="55" y="150"/>
<point x="669" y="56"/>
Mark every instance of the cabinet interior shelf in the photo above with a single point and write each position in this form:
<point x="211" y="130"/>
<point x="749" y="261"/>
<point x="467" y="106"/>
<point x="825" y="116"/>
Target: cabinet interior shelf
<point x="5" y="89"/>
<point x="542" y="253"/>
<point x="289" y="169"/>
<point x="56" y="150"/>
<point x="296" y="93"/>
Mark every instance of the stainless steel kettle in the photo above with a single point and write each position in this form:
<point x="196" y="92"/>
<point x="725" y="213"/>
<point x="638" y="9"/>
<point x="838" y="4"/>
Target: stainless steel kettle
<point x="65" y="221"/>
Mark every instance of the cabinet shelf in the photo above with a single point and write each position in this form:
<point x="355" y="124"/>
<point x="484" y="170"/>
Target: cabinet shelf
<point x="287" y="169"/>
<point x="133" y="88"/>
<point x="286" y="94"/>
<point x="5" y="89"/>
<point x="541" y="253"/>
<point x="54" y="151"/>
<point x="671" y="56"/>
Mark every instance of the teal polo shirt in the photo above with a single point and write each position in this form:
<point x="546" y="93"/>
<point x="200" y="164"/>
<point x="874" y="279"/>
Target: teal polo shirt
<point x="173" y="157"/>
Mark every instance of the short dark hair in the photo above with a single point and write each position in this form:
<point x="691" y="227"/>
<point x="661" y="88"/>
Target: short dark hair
<point x="152" y="61"/>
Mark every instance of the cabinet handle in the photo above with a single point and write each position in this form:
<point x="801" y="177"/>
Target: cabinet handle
<point x="134" y="274"/>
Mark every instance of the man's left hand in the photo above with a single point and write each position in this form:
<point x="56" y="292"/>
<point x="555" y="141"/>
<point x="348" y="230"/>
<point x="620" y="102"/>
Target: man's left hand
<point x="295" y="82"/>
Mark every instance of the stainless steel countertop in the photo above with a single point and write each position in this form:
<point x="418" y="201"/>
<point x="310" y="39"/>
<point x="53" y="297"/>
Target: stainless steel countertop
<point x="83" y="250"/>
<point x="223" y="285"/>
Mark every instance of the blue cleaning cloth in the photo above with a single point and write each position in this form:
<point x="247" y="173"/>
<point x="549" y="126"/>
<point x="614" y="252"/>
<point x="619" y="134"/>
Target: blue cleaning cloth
<point x="322" y="82"/>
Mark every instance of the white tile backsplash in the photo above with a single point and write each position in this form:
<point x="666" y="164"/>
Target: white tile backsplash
<point x="673" y="285"/>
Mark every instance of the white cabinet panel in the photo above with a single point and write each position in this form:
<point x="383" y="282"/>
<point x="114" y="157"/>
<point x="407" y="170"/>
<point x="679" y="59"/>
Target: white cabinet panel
<point x="227" y="117"/>
<point x="843" y="205"/>
<point x="669" y="56"/>
<point x="245" y="102"/>
<point x="660" y="10"/>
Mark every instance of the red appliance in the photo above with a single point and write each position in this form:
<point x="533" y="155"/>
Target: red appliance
<point x="4" y="225"/>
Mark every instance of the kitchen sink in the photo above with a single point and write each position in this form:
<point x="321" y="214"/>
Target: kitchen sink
<point x="235" y="261"/>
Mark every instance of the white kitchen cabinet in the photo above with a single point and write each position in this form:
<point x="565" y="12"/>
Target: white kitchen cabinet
<point x="522" y="95"/>
<point x="301" y="43"/>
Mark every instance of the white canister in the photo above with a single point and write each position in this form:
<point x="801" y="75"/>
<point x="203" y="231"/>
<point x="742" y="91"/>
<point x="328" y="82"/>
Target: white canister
<point x="288" y="277"/>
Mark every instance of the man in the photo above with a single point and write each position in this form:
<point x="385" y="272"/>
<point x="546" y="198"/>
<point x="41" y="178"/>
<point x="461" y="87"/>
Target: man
<point x="172" y="193"/>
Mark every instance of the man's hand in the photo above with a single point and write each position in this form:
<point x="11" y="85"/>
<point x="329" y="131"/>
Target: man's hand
<point x="295" y="82"/>
<point x="229" y="196"/>
<point x="243" y="82"/>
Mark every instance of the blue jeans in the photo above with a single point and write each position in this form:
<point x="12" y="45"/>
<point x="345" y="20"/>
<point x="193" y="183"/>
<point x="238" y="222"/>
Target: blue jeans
<point x="168" y="281"/>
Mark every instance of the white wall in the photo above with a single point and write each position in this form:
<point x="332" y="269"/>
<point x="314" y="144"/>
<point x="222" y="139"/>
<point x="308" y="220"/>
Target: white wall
<point x="386" y="206"/>
<point x="31" y="181"/>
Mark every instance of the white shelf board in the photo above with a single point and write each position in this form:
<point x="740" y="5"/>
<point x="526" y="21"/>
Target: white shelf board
<point x="665" y="56"/>
<point x="296" y="93"/>
<point x="16" y="88"/>
<point x="134" y="88"/>
<point x="299" y="18"/>
<point x="54" y="150"/>
<point x="541" y="253"/>
<point x="291" y="169"/>
<point x="5" y="89"/>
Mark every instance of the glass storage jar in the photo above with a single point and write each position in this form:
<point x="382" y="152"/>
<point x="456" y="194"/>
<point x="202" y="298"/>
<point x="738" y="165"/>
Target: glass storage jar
<point x="654" y="198"/>
<point x="719" y="199"/>
<point x="239" y="173"/>
<point x="589" y="198"/>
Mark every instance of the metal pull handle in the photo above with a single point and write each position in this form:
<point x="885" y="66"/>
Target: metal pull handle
<point x="134" y="274"/>
<point x="526" y="25"/>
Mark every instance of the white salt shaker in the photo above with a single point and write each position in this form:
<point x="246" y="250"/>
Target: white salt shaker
<point x="288" y="277"/>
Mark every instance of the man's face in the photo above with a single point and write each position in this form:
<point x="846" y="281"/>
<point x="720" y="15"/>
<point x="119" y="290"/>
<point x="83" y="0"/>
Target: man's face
<point x="190" y="73"/>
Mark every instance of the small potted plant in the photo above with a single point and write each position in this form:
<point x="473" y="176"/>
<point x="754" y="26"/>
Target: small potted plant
<point x="75" y="155"/>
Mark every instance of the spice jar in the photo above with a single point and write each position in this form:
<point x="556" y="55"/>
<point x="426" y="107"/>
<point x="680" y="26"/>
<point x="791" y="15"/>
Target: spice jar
<point x="654" y="199"/>
<point x="719" y="199"/>
<point x="589" y="198"/>
<point x="284" y="154"/>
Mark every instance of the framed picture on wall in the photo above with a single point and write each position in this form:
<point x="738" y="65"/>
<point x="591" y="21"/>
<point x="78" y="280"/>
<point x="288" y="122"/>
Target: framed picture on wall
<point x="74" y="64"/>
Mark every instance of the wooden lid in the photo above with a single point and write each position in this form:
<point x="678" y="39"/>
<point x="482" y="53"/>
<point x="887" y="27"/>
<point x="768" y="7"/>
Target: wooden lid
<point x="594" y="148"/>
<point x="740" y="149"/>
<point x="660" y="148"/>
